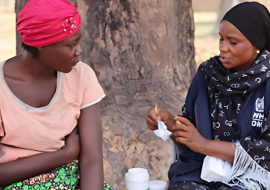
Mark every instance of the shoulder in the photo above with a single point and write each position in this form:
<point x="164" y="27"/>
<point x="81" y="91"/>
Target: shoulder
<point x="80" y="72"/>
<point x="209" y="62"/>
<point x="82" y="68"/>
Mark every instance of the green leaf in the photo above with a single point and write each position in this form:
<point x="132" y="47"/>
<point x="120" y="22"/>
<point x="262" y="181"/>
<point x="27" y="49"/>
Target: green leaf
<point x="25" y="187"/>
<point x="57" y="179"/>
<point x="62" y="177"/>
<point x="48" y="184"/>
<point x="62" y="171"/>
<point x="67" y="182"/>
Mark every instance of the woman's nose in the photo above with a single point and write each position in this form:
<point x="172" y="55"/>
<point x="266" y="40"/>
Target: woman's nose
<point x="223" y="46"/>
<point x="78" y="51"/>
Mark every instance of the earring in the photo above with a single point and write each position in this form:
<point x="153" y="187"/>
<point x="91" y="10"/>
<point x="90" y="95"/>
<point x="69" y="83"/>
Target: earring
<point x="258" y="51"/>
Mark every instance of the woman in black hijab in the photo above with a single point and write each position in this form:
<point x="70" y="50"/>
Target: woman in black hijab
<point x="226" y="112"/>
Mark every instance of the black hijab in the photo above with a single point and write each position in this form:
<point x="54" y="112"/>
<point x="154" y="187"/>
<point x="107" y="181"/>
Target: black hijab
<point x="228" y="89"/>
<point x="252" y="19"/>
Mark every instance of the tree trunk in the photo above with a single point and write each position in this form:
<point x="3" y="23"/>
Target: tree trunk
<point x="18" y="7"/>
<point x="143" y="54"/>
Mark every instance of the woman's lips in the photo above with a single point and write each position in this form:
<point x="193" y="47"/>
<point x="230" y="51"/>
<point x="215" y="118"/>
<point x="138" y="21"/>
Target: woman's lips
<point x="224" y="60"/>
<point x="75" y="63"/>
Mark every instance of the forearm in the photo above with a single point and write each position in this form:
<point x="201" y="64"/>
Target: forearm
<point x="91" y="157"/>
<point x="21" y="169"/>
<point x="219" y="149"/>
<point x="92" y="177"/>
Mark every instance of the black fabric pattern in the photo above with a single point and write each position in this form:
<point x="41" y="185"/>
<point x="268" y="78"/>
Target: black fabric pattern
<point x="259" y="148"/>
<point x="189" y="185"/>
<point x="227" y="91"/>
<point x="252" y="19"/>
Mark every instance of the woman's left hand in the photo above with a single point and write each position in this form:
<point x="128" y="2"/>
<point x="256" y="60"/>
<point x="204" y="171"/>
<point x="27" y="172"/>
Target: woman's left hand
<point x="187" y="134"/>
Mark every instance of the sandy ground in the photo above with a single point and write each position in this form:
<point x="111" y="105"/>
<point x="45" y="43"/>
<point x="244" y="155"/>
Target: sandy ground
<point x="205" y="45"/>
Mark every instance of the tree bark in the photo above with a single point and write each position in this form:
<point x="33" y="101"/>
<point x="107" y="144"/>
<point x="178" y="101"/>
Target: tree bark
<point x="18" y="7"/>
<point x="143" y="54"/>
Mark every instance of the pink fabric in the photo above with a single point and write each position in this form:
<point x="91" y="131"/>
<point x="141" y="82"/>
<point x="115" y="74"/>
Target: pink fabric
<point x="26" y="131"/>
<point x="45" y="22"/>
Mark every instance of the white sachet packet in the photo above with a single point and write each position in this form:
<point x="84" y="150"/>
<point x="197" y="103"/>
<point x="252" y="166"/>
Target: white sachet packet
<point x="162" y="131"/>
<point x="215" y="169"/>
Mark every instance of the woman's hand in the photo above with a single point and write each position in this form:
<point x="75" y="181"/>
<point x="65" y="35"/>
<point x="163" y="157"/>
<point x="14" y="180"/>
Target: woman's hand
<point x="162" y="115"/>
<point x="72" y="145"/>
<point x="24" y="168"/>
<point x="187" y="134"/>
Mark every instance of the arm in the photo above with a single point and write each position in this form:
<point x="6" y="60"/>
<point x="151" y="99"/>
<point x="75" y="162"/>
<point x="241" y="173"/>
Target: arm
<point x="91" y="158"/>
<point x="186" y="133"/>
<point x="21" y="169"/>
<point x="219" y="149"/>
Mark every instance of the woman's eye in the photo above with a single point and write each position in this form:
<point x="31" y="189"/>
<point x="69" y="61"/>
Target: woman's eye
<point x="72" y="46"/>
<point x="220" y="39"/>
<point x="233" y="43"/>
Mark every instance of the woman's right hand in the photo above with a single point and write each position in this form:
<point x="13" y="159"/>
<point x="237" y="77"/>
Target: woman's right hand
<point x="40" y="163"/>
<point x="72" y="145"/>
<point x="162" y="115"/>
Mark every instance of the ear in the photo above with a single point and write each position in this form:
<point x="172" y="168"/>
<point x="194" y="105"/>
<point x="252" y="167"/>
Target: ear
<point x="257" y="50"/>
<point x="40" y="49"/>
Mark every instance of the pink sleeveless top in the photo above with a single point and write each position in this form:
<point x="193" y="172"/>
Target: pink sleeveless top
<point x="26" y="131"/>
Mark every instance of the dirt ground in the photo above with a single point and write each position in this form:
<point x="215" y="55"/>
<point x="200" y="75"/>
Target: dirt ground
<point x="205" y="45"/>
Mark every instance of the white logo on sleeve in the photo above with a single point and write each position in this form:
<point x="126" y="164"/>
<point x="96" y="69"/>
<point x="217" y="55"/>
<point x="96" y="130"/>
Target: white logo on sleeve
<point x="260" y="105"/>
<point x="258" y="115"/>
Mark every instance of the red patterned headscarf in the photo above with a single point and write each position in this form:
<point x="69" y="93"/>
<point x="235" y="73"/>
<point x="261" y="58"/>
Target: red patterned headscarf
<point x="45" y="22"/>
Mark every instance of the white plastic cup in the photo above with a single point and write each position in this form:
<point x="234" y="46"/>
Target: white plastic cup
<point x="157" y="185"/>
<point x="137" y="179"/>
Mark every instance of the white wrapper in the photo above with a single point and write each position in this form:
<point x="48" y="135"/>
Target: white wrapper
<point x="162" y="131"/>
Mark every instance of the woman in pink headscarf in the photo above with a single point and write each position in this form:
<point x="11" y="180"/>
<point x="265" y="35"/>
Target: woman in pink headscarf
<point x="49" y="105"/>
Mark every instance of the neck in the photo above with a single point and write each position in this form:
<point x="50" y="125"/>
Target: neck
<point x="33" y="67"/>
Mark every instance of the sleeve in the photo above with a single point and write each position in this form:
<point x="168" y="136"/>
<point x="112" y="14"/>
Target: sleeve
<point x="188" y="110"/>
<point x="93" y="92"/>
<point x="251" y="166"/>
<point x="188" y="115"/>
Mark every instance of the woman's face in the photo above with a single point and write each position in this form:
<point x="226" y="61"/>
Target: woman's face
<point x="236" y="51"/>
<point x="62" y="56"/>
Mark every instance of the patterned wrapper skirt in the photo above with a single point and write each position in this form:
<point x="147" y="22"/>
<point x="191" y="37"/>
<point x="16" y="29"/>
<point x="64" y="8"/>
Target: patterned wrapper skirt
<point x="66" y="177"/>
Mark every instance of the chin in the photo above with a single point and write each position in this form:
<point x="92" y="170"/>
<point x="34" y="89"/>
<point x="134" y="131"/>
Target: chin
<point x="226" y="66"/>
<point x="66" y="70"/>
